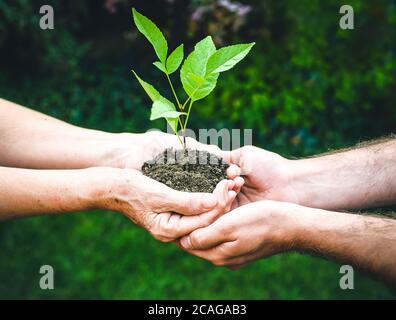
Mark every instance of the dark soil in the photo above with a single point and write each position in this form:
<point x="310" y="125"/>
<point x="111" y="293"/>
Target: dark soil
<point x="187" y="170"/>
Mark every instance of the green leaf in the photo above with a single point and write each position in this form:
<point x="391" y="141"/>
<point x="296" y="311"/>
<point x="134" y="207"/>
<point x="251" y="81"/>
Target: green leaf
<point x="150" y="90"/>
<point x="163" y="108"/>
<point x="226" y="58"/>
<point x="160" y="66"/>
<point x="175" y="59"/>
<point x="152" y="33"/>
<point x="205" y="47"/>
<point x="193" y="72"/>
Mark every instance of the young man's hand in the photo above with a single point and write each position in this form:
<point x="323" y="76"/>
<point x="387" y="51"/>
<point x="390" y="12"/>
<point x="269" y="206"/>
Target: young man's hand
<point x="358" y="178"/>
<point x="265" y="228"/>
<point x="250" y="232"/>
<point x="267" y="175"/>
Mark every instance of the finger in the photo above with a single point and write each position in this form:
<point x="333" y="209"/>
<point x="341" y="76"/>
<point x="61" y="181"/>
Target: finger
<point x="231" y="197"/>
<point x="239" y="182"/>
<point x="233" y="171"/>
<point x="244" y="259"/>
<point x="236" y="156"/>
<point x="188" y="203"/>
<point x="205" y="238"/>
<point x="214" y="149"/>
<point x="209" y="254"/>
<point x="221" y="193"/>
<point x="230" y="184"/>
<point x="179" y="226"/>
<point x="218" y="255"/>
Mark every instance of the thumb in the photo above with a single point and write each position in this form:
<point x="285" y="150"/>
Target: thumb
<point x="190" y="203"/>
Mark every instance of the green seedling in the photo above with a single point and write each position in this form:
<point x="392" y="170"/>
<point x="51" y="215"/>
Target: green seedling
<point x="198" y="74"/>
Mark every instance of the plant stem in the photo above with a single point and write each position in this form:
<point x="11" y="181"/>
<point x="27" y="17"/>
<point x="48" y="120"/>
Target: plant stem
<point x="180" y="107"/>
<point x="188" y="114"/>
<point x="185" y="103"/>
<point x="178" y="137"/>
<point x="184" y="128"/>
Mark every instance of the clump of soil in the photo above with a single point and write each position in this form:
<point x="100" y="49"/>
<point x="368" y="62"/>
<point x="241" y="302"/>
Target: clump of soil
<point x="187" y="170"/>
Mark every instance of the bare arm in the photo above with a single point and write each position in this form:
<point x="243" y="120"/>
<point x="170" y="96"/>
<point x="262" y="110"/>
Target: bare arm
<point x="265" y="228"/>
<point x="29" y="139"/>
<point x="166" y="213"/>
<point x="367" y="242"/>
<point x="357" y="178"/>
<point x="26" y="192"/>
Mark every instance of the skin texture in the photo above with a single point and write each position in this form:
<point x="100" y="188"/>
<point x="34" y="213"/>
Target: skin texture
<point x="264" y="228"/>
<point x="273" y="212"/>
<point x="358" y="178"/>
<point x="29" y="139"/>
<point x="96" y="170"/>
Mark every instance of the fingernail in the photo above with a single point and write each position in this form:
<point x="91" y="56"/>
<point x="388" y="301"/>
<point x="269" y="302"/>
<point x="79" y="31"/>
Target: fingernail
<point x="209" y="201"/>
<point x="185" y="242"/>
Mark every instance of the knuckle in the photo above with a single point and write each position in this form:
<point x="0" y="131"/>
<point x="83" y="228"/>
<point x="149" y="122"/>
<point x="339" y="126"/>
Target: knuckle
<point x="227" y="229"/>
<point x="160" y="235"/>
<point x="192" y="205"/>
<point x="219" y="262"/>
<point x="157" y="235"/>
<point x="196" y="241"/>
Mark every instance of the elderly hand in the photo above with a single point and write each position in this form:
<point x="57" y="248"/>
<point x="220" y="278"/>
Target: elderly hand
<point x="131" y="150"/>
<point x="166" y="213"/>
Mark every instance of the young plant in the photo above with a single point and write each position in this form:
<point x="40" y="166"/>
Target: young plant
<point x="198" y="74"/>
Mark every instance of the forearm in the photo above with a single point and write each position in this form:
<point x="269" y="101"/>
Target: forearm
<point x="25" y="192"/>
<point x="30" y="139"/>
<point x="369" y="243"/>
<point x="359" y="178"/>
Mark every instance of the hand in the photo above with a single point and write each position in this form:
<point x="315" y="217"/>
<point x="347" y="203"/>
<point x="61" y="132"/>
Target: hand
<point x="250" y="232"/>
<point x="166" y="213"/>
<point x="267" y="175"/>
<point x="130" y="151"/>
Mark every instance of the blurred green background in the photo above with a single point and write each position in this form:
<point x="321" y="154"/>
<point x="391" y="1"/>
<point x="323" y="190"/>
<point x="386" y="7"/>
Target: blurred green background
<point x="306" y="87"/>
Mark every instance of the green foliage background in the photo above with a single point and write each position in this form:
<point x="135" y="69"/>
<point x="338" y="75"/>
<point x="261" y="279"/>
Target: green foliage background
<point x="307" y="87"/>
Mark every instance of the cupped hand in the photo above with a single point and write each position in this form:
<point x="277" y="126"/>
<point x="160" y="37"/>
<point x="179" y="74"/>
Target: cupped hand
<point x="250" y="232"/>
<point x="166" y="213"/>
<point x="267" y="175"/>
<point x="131" y="151"/>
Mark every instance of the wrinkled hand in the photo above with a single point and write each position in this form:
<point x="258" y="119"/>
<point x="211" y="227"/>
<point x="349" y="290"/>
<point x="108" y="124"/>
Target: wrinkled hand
<point x="250" y="232"/>
<point x="132" y="150"/>
<point x="166" y="213"/>
<point x="266" y="174"/>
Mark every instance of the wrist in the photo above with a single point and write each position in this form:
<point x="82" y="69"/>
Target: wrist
<point x="315" y="227"/>
<point x="103" y="187"/>
<point x="117" y="149"/>
<point x="285" y="221"/>
<point x="309" y="183"/>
